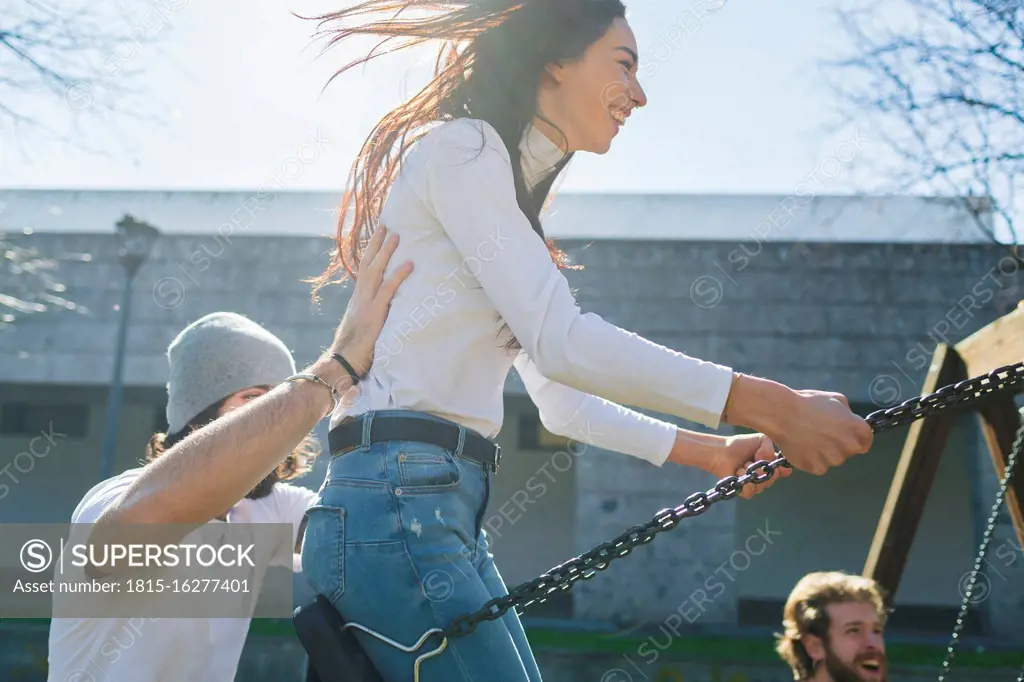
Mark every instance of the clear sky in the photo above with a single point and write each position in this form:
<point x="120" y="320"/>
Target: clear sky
<point x="737" y="103"/>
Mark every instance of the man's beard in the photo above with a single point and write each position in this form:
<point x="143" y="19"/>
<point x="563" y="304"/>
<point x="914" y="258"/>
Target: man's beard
<point x="841" y="672"/>
<point x="263" y="488"/>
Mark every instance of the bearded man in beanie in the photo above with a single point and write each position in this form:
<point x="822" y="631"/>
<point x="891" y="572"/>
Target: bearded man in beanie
<point x="239" y="422"/>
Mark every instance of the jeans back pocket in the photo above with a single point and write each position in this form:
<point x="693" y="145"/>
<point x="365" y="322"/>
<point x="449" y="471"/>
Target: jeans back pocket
<point x="323" y="551"/>
<point x="424" y="468"/>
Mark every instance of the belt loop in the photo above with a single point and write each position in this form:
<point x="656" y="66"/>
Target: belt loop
<point x="462" y="442"/>
<point x="367" y="427"/>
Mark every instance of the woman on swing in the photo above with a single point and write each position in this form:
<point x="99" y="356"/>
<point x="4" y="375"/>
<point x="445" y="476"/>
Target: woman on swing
<point x="480" y="148"/>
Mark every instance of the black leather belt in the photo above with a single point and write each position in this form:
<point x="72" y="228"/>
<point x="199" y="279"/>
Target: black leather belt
<point x="349" y="434"/>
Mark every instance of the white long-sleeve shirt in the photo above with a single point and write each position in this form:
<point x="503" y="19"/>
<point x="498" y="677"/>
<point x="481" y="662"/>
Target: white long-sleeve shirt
<point x="478" y="266"/>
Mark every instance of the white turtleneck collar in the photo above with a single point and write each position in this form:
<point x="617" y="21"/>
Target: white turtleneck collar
<point x="539" y="156"/>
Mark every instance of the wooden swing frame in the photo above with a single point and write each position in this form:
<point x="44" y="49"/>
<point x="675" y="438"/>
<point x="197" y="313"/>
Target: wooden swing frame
<point x="996" y="345"/>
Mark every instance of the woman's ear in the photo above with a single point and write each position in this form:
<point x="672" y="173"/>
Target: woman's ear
<point x="556" y="71"/>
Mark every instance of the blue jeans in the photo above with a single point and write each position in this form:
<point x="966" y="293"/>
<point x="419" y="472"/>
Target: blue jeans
<point x="394" y="542"/>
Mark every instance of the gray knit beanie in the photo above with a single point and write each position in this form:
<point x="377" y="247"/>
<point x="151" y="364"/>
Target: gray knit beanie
<point x="218" y="355"/>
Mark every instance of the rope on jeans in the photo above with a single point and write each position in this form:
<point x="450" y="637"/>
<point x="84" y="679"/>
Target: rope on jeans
<point x="585" y="566"/>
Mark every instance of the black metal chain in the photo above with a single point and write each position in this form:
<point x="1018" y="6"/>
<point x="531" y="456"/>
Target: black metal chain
<point x="585" y="566"/>
<point x="968" y="593"/>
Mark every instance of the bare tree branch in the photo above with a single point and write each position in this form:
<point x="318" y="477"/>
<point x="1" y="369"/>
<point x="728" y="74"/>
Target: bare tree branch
<point x="28" y="283"/>
<point x="75" y="73"/>
<point x="944" y="80"/>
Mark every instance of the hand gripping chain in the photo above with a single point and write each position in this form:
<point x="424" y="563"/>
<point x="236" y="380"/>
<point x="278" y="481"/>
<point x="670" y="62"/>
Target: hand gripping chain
<point x="585" y="566"/>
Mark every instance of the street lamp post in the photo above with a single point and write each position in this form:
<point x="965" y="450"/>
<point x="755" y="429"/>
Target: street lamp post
<point x="135" y="240"/>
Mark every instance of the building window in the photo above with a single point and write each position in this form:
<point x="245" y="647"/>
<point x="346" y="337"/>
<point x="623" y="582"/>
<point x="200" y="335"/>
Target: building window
<point x="24" y="419"/>
<point x="160" y="420"/>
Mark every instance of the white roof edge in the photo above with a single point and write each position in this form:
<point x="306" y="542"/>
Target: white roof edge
<point x="573" y="215"/>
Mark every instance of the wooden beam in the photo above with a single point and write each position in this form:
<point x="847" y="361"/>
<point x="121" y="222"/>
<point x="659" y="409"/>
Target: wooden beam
<point x="912" y="481"/>
<point x="996" y="345"/>
<point x="1000" y="421"/>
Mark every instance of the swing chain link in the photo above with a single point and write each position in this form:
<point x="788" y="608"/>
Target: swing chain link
<point x="585" y="566"/>
<point x="968" y="593"/>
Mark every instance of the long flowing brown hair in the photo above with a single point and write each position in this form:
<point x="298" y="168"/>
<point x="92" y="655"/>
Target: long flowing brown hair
<point x="490" y="64"/>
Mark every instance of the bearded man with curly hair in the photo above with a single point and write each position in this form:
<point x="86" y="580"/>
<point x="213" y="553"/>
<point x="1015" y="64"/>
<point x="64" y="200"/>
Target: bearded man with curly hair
<point x="834" y="629"/>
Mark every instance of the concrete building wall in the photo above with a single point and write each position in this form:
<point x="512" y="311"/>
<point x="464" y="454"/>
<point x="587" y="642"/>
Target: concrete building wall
<point x="859" y="318"/>
<point x="809" y="217"/>
<point x="48" y="469"/>
<point x="862" y="319"/>
<point x="827" y="523"/>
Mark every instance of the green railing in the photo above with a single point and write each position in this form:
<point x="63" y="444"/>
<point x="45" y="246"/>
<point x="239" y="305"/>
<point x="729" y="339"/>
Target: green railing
<point x="698" y="648"/>
<point x="707" y="648"/>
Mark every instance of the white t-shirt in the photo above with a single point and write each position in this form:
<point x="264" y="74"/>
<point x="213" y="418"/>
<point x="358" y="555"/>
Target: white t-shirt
<point x="166" y="649"/>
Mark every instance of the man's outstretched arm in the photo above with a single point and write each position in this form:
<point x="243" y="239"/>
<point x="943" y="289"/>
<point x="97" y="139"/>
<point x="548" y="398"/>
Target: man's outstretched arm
<point x="208" y="472"/>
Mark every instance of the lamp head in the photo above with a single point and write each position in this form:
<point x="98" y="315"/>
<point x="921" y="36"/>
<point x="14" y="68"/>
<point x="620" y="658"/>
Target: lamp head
<point x="135" y="240"/>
